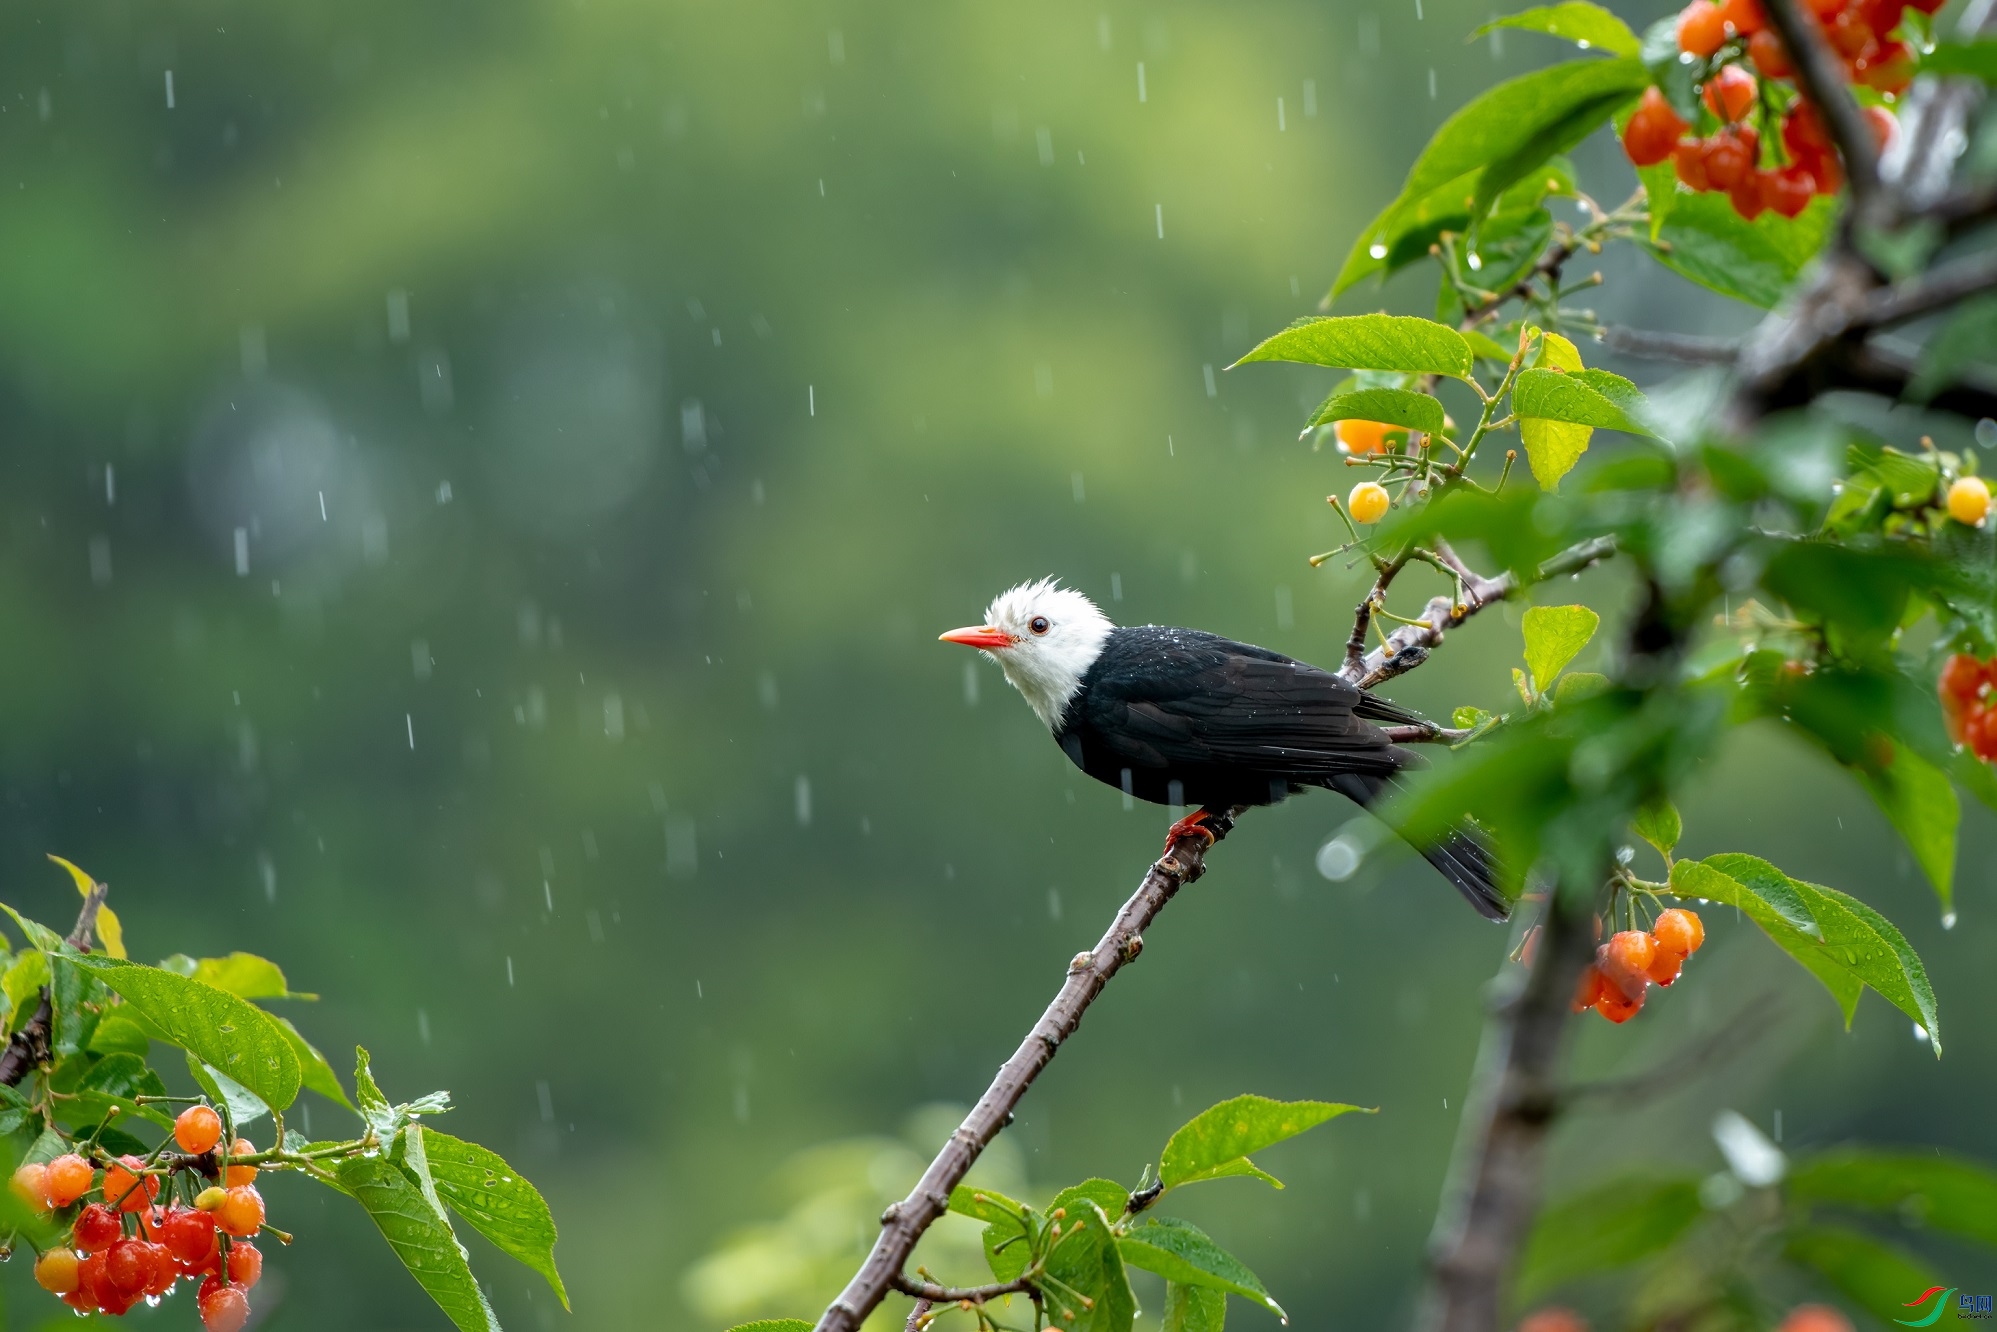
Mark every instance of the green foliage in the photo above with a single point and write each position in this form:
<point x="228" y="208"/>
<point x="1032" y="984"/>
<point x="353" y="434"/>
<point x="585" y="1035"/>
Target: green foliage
<point x="1369" y="342"/>
<point x="1574" y="21"/>
<point x="1838" y="939"/>
<point x="1917" y="797"/>
<point x="415" y="1227"/>
<point x="213" y="1025"/>
<point x="1609" y="1227"/>
<point x="1554" y="636"/>
<point x="1181" y="1253"/>
<point x="1216" y="1143"/>
<point x="1874" y="1275"/>
<point x="1978" y="59"/>
<point x="1190" y="1308"/>
<point x="1417" y="411"/>
<point x="1659" y="824"/>
<point x="1922" y="1190"/>
<point x="494" y="1200"/>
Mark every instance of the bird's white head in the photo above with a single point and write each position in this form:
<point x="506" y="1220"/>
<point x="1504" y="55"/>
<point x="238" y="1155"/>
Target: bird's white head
<point x="1045" y="638"/>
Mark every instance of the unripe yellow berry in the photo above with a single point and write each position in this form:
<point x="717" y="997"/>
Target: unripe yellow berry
<point x="1968" y="500"/>
<point x="1368" y="501"/>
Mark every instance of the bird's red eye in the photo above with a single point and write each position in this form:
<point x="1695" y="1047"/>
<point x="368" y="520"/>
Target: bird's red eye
<point x="1038" y="624"/>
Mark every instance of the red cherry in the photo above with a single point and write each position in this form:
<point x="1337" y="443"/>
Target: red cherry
<point x="225" y="1310"/>
<point x="128" y="1267"/>
<point x="245" y="1264"/>
<point x="1730" y="93"/>
<point x="1702" y="29"/>
<point x="1748" y="197"/>
<point x="1743" y="16"/>
<point x="1766" y="51"/>
<point x="197" y="1129"/>
<point x="1653" y="129"/>
<point x="1689" y="158"/>
<point x="96" y="1228"/>
<point x="190" y="1236"/>
<point x="1727" y="161"/>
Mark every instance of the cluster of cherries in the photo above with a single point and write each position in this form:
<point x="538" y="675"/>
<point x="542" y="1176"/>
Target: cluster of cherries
<point x="124" y="1247"/>
<point x="1632" y="961"/>
<point x="1369" y="501"/>
<point x="1730" y="159"/>
<point x="1968" y="689"/>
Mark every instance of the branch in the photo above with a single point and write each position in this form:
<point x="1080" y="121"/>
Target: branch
<point x="1408" y="646"/>
<point x="903" y="1223"/>
<point x="917" y="1314"/>
<point x="29" y="1047"/>
<point x="1682" y="347"/>
<point x="1705" y="1054"/>
<point x="932" y="1293"/>
<point x="1873" y="369"/>
<point x="1936" y="289"/>
<point x="1821" y="77"/>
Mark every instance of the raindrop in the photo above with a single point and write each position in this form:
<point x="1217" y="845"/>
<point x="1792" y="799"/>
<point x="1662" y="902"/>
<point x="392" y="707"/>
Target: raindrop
<point x="100" y="560"/>
<point x="1128" y="803"/>
<point x="1054" y="904"/>
<point x="811" y="390"/>
<point x="1948" y="920"/>
<point x="1920" y="1032"/>
<point x="1044" y="139"/>
<point x="801" y="800"/>
<point x="548" y="895"/>
<point x="169" y="90"/>
<point x="110" y="485"/>
<point x="1281" y="126"/>
<point x="1431" y="83"/>
<point x="1116" y="587"/>
<point x="546" y="1097"/>
<point x="595" y="923"/>
<point x="398" y="315"/>
<point x="1340" y="858"/>
<point x="1140" y="83"/>
<point x="267" y="871"/>
<point x="1213" y="389"/>
<point x="1075" y="482"/>
<point x="1102" y="31"/>
<point x="509" y="972"/>
<point x="835" y="46"/>
<point x="422" y="1026"/>
<point x="242" y="552"/>
<point x="1377" y="250"/>
<point x="1310" y="99"/>
<point x="409" y="724"/>
<point x="970" y="683"/>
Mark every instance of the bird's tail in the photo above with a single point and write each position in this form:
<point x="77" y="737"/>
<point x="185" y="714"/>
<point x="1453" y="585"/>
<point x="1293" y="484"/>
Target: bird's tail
<point x="1462" y="855"/>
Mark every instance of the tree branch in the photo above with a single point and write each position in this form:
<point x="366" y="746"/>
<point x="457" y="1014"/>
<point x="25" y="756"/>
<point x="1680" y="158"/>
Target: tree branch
<point x="931" y="1292"/>
<point x="917" y="1314"/>
<point x="29" y="1048"/>
<point x="1936" y="289"/>
<point x="1872" y="369"/>
<point x="1681" y="347"/>
<point x="903" y="1223"/>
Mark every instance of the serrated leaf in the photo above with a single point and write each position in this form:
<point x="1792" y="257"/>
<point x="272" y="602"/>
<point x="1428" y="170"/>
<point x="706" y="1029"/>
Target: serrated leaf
<point x="1918" y="800"/>
<point x="1402" y="407"/>
<point x="124" y="1078"/>
<point x="495" y="1199"/>
<point x="1494" y="128"/>
<point x="1702" y="238"/>
<point x="1400" y="343"/>
<point x="1605" y="1228"/>
<point x="1554" y="636"/>
<point x="1181" y="1252"/>
<point x="78" y="1001"/>
<point x="420" y="1236"/>
<point x="1083" y="1263"/>
<point x="238" y="1104"/>
<point x="38" y="935"/>
<point x="225" y="1032"/>
<point x="315" y="1073"/>
<point x="1874" y="1275"/>
<point x="1215" y="1144"/>
<point x="1938" y="1193"/>
<point x="1595" y="398"/>
<point x="1839" y="939"/>
<point x="109" y="930"/>
<point x="1587" y="26"/>
<point x="246" y="976"/>
<point x="1194" y="1308"/>
<point x="1659" y="824"/>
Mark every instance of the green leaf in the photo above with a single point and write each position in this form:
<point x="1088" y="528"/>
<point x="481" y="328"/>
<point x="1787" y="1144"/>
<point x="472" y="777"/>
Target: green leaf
<point x="1181" y="1252"/>
<point x="1194" y="1308"/>
<point x="1504" y="126"/>
<point x="988" y="1205"/>
<point x="1550" y="140"/>
<point x="1575" y="686"/>
<point x="1872" y="1274"/>
<point x="244" y="975"/>
<point x="420" y="1236"/>
<point x="1605" y="1228"/>
<point x="23" y="983"/>
<point x="1919" y="801"/>
<point x="123" y="1078"/>
<point x="1401" y="407"/>
<point x="1978" y="59"/>
<point x="315" y="1072"/>
<point x="1215" y="1143"/>
<point x="1966" y="339"/>
<point x="1485" y="347"/>
<point x="1400" y="343"/>
<point x="1659" y="824"/>
<point x="1701" y="237"/>
<point x="1934" y="1192"/>
<point x="1593" y="398"/>
<point x="116" y="1033"/>
<point x="37" y="935"/>
<point x="374" y="1108"/>
<point x="1554" y="636"/>
<point x="1587" y="26"/>
<point x="1469" y="719"/>
<point x="1841" y="941"/>
<point x="1084" y="1263"/>
<point x="238" y="1104"/>
<point x="495" y="1200"/>
<point x="223" y="1031"/>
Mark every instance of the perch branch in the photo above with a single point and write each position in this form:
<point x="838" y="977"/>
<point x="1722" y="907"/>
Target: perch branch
<point x="935" y="1294"/>
<point x="29" y="1047"/>
<point x="903" y="1223"/>
<point x="917" y="1314"/>
<point x="1684" y="348"/>
<point x="1936" y="289"/>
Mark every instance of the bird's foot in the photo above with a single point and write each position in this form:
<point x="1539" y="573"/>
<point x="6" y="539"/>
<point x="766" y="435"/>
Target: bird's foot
<point x="1193" y="825"/>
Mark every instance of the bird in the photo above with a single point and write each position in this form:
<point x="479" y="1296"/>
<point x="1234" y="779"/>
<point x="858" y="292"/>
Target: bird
<point x="1184" y="717"/>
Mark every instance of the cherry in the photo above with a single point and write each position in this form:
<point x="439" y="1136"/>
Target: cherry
<point x="1727" y="160"/>
<point x="1689" y="157"/>
<point x="165" y="1271"/>
<point x="1743" y="17"/>
<point x="31" y="1185"/>
<point x="1592" y="987"/>
<point x="1618" y="1007"/>
<point x="1968" y="502"/>
<point x="1788" y="191"/>
<point x="241" y="1174"/>
<point x="242" y="1212"/>
<point x="68" y="1178"/>
<point x="1653" y="129"/>
<point x="1889" y="70"/>
<point x="1963" y="678"/>
<point x="197" y="1129"/>
<point x="1363" y="437"/>
<point x="1882" y="16"/>
<point x="1765" y="49"/>
<point x="1702" y="28"/>
<point x="224" y="1309"/>
<point x="90" y="1286"/>
<point x="1555" y="1319"/>
<point x="1625" y="958"/>
<point x="1749" y="198"/>
<point x="128" y="1266"/>
<point x="1664" y="968"/>
<point x="1730" y="93"/>
<point x="128" y="1190"/>
<point x="1815" y="1318"/>
<point x="1368" y="503"/>
<point x="190" y="1236"/>
<point x="1679" y="931"/>
<point x="55" y="1271"/>
<point x="245" y="1264"/>
<point x="1849" y="36"/>
<point x="96" y="1228"/>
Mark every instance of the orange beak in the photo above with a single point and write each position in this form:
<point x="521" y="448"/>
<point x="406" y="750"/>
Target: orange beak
<point x="980" y="636"/>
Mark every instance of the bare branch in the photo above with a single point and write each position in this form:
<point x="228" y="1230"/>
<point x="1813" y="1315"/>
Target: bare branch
<point x="1936" y="289"/>
<point x="29" y="1047"/>
<point x="930" y="1292"/>
<point x="1822" y="80"/>
<point x="1681" y="347"/>
<point x="917" y="1314"/>
<point x="1424" y="733"/>
<point x="904" y="1222"/>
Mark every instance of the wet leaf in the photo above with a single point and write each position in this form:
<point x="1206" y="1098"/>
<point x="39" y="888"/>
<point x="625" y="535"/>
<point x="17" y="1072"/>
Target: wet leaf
<point x="420" y="1236"/>
<point x="495" y="1199"/>
<point x="1402" y="407"/>
<point x="1215" y="1143"/>
<point x="1194" y="1308"/>
<point x="1659" y="824"/>
<point x="1587" y="26"/>
<point x="223" y="1031"/>
<point x="1181" y="1252"/>
<point x="1933" y="1192"/>
<point x="1554" y="636"/>
<point x="1369" y="342"/>
<point x="1919" y="801"/>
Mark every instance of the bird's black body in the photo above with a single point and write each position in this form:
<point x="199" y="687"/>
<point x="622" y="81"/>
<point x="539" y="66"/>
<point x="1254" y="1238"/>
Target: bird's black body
<point x="1183" y="717"/>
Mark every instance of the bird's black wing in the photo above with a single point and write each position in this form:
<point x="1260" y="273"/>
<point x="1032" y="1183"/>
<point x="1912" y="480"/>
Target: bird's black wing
<point x="1181" y="699"/>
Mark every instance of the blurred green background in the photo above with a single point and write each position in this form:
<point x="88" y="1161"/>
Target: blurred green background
<point x="481" y="484"/>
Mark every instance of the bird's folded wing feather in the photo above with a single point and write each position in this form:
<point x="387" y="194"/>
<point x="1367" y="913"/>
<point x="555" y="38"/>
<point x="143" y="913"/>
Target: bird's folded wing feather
<point x="1218" y="707"/>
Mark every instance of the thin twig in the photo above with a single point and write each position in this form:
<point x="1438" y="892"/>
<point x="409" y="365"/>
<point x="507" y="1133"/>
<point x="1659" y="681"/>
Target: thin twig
<point x="1684" y="348"/>
<point x="1936" y="289"/>
<point x="931" y="1292"/>
<point x="29" y="1047"/>
<point x="917" y="1314"/>
<point x="1703" y="1054"/>
<point x="903" y="1223"/>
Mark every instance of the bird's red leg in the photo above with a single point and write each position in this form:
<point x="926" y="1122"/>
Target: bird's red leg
<point x="1193" y="825"/>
